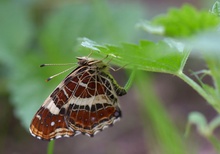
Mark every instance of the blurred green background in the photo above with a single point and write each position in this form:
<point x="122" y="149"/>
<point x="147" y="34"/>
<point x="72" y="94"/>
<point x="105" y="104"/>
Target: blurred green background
<point x="33" y="32"/>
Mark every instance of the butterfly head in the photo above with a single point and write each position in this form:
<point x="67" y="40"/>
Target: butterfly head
<point x="86" y="61"/>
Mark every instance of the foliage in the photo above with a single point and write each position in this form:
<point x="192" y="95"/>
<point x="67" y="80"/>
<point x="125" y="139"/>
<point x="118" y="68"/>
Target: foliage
<point x="182" y="29"/>
<point x="170" y="56"/>
<point x="186" y="21"/>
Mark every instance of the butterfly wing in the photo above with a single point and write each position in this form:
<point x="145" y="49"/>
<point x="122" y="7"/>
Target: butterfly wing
<point x="85" y="102"/>
<point x="96" y="106"/>
<point x="50" y="120"/>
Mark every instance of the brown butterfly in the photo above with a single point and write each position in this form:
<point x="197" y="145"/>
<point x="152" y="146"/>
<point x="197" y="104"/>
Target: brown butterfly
<point x="84" y="102"/>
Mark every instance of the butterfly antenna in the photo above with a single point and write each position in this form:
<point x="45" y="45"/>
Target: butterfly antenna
<point x="59" y="73"/>
<point x="117" y="69"/>
<point x="90" y="54"/>
<point x="113" y="69"/>
<point x="66" y="64"/>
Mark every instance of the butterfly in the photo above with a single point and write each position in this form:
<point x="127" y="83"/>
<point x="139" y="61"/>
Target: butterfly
<point x="85" y="102"/>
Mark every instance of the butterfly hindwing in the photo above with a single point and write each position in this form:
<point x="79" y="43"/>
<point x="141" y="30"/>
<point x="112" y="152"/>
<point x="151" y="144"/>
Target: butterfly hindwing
<point x="47" y="126"/>
<point x="93" y="109"/>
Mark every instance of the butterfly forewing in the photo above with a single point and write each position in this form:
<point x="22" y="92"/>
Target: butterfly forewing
<point x="85" y="102"/>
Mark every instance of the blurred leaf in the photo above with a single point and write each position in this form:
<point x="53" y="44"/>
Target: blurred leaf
<point x="15" y="31"/>
<point x="216" y="8"/>
<point x="203" y="128"/>
<point x="200" y="121"/>
<point x="214" y="123"/>
<point x="213" y="62"/>
<point x="186" y="21"/>
<point x="97" y="20"/>
<point x="167" y="139"/>
<point x="208" y="44"/>
<point x="151" y="27"/>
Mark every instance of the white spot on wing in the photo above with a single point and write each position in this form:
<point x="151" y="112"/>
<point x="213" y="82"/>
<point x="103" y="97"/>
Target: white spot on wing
<point x="96" y="132"/>
<point x="32" y="133"/>
<point x="77" y="133"/>
<point x="116" y="120"/>
<point x="58" y="137"/>
<point x="105" y="127"/>
<point x="66" y="135"/>
<point x="38" y="116"/>
<point x="52" y="123"/>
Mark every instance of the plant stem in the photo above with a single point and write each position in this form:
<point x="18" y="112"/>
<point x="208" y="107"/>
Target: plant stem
<point x="50" y="147"/>
<point x="198" y="88"/>
<point x="130" y="80"/>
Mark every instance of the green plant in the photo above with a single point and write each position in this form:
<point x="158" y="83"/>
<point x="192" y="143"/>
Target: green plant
<point x="170" y="55"/>
<point x="181" y="30"/>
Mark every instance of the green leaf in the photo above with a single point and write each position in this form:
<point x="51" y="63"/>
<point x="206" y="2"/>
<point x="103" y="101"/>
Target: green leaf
<point x="166" y="56"/>
<point x="186" y="21"/>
